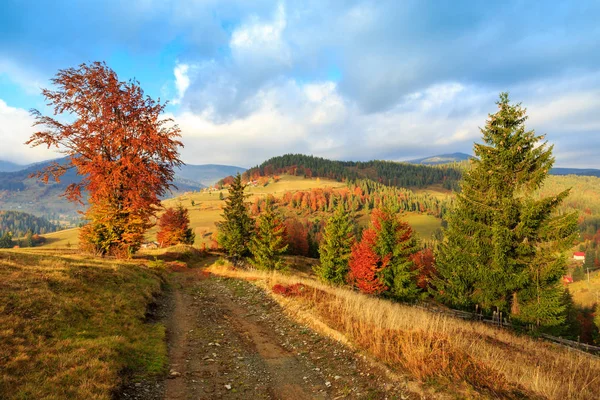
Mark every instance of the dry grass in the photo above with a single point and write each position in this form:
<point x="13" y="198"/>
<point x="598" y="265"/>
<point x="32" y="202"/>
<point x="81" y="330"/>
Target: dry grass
<point x="451" y="352"/>
<point x="70" y="326"/>
<point x="586" y="293"/>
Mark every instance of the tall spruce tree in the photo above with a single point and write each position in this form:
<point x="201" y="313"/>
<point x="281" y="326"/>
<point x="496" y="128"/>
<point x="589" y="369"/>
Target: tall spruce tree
<point x="237" y="227"/>
<point x="503" y="249"/>
<point x="336" y="247"/>
<point x="268" y="244"/>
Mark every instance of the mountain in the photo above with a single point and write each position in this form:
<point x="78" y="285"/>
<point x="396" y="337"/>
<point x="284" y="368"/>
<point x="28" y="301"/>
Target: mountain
<point x="18" y="192"/>
<point x="7" y="166"/>
<point x="575" y="171"/>
<point x="207" y="174"/>
<point x="441" y="159"/>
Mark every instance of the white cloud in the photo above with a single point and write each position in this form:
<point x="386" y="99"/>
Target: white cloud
<point x="182" y="81"/>
<point x="261" y="42"/>
<point x="15" y="130"/>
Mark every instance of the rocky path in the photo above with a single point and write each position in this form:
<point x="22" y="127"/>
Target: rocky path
<point x="229" y="340"/>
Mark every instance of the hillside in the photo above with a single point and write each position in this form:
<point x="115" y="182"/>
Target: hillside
<point x="19" y="223"/>
<point x="75" y="328"/>
<point x="387" y="172"/>
<point x="18" y="192"/>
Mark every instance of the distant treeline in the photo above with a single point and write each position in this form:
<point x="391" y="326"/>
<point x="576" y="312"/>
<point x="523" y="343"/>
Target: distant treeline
<point x="20" y="224"/>
<point x="386" y="172"/>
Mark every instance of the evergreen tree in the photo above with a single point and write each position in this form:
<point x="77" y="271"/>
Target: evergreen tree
<point x="268" y="244"/>
<point x="503" y="249"/>
<point x="6" y="241"/>
<point x="336" y="247"/>
<point x="381" y="263"/>
<point x="395" y="238"/>
<point x="236" y="229"/>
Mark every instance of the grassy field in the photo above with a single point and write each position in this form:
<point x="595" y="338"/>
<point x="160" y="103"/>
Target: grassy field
<point x="71" y="326"/>
<point x="62" y="239"/>
<point x="455" y="357"/>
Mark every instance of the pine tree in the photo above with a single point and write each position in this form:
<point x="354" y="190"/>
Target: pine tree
<point x="336" y="247"/>
<point x="236" y="229"/>
<point x="268" y="244"/>
<point x="503" y="248"/>
<point x="381" y="263"/>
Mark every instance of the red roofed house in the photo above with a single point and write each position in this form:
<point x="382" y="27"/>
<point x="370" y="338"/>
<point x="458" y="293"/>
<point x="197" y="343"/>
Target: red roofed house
<point x="579" y="256"/>
<point x="567" y="279"/>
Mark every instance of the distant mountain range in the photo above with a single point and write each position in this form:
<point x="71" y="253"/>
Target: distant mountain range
<point x="458" y="157"/>
<point x="18" y="192"/>
<point x="441" y="159"/>
<point x="207" y="174"/>
<point x="7" y="166"/>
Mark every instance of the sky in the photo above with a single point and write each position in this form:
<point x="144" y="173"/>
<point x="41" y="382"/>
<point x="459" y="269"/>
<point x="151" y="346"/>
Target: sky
<point x="346" y="80"/>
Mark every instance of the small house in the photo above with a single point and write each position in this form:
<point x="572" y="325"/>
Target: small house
<point x="567" y="279"/>
<point x="579" y="256"/>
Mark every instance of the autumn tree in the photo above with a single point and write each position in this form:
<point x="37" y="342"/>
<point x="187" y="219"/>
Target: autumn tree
<point x="366" y="266"/>
<point x="504" y="248"/>
<point x="381" y="262"/>
<point x="268" y="243"/>
<point x="336" y="247"/>
<point x="115" y="138"/>
<point x="237" y="226"/>
<point x="174" y="227"/>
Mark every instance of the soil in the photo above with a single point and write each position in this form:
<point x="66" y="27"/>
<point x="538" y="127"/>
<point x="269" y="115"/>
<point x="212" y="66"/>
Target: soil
<point x="229" y="340"/>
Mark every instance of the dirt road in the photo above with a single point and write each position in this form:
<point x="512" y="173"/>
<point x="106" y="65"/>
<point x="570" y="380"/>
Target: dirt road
<point x="229" y="340"/>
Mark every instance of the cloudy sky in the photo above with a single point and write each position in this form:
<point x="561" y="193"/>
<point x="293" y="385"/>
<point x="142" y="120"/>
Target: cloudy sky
<point x="351" y="80"/>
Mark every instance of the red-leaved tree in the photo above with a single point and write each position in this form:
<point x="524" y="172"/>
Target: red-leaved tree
<point x="121" y="147"/>
<point x="174" y="227"/>
<point x="366" y="265"/>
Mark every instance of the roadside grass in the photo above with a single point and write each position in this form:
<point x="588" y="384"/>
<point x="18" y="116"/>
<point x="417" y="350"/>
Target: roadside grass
<point x="73" y="327"/>
<point x="437" y="350"/>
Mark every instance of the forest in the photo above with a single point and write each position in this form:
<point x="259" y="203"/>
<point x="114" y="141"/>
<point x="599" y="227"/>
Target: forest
<point x="387" y="172"/>
<point x="19" y="223"/>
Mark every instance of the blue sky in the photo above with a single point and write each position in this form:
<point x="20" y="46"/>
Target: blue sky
<point x="359" y="80"/>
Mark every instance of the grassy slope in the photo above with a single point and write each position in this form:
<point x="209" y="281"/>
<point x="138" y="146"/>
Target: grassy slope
<point x="460" y="358"/>
<point x="70" y="325"/>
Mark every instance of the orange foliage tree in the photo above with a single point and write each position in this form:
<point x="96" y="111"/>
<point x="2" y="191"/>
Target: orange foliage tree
<point x="366" y="265"/>
<point x="117" y="141"/>
<point x="174" y="227"/>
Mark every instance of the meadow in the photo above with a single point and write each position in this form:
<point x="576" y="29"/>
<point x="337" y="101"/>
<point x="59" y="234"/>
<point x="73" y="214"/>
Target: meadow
<point x="73" y="327"/>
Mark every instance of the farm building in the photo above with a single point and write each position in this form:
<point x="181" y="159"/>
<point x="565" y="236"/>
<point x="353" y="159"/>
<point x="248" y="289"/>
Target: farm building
<point x="579" y="256"/>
